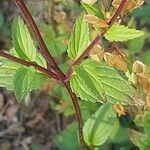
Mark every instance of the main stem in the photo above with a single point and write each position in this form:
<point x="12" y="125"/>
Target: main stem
<point x="78" y="114"/>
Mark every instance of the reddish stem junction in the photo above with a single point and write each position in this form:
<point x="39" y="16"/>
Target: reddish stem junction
<point x="53" y="71"/>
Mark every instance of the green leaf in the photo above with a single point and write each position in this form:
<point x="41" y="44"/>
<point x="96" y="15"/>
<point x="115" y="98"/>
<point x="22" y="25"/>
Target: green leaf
<point x="98" y="128"/>
<point x="7" y="71"/>
<point x="68" y="140"/>
<point x="99" y="82"/>
<point x="141" y="140"/>
<point x="145" y="57"/>
<point x="142" y="11"/>
<point x="26" y="80"/>
<point x="122" y="33"/>
<point x="136" y="45"/>
<point x="40" y="60"/>
<point x="119" y="133"/>
<point x="93" y="10"/>
<point x="22" y="41"/>
<point x="79" y="38"/>
<point x="143" y="120"/>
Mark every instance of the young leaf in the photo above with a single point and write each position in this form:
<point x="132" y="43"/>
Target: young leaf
<point x="122" y="33"/>
<point x="7" y="71"/>
<point x="22" y="41"/>
<point x="93" y="10"/>
<point x="98" y="128"/>
<point x="99" y="82"/>
<point x="26" y="80"/>
<point x="79" y="38"/>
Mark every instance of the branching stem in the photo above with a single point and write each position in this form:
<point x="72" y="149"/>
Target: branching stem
<point x="97" y="39"/>
<point x="55" y="71"/>
<point x="43" y="49"/>
<point x="49" y="73"/>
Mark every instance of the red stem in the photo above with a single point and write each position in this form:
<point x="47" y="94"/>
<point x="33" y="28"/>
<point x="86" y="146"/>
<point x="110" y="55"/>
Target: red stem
<point x="117" y="13"/>
<point x="78" y="114"/>
<point x="44" y="51"/>
<point x="28" y="64"/>
<point x="96" y="40"/>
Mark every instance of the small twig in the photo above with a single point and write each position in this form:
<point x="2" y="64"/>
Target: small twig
<point x="44" y="51"/>
<point x="97" y="39"/>
<point x="28" y="64"/>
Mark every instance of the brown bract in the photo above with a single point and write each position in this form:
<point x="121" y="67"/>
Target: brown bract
<point x="116" y="61"/>
<point x="129" y="6"/>
<point x="96" y="22"/>
<point x="141" y="72"/>
<point x="97" y="53"/>
<point x="119" y="109"/>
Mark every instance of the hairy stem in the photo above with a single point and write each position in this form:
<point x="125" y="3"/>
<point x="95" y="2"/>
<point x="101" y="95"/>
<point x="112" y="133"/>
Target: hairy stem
<point x="78" y="114"/>
<point x="44" y="51"/>
<point x="28" y="64"/>
<point x="97" y="39"/>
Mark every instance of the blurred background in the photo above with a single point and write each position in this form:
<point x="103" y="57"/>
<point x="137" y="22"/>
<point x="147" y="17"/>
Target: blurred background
<point x="47" y="121"/>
